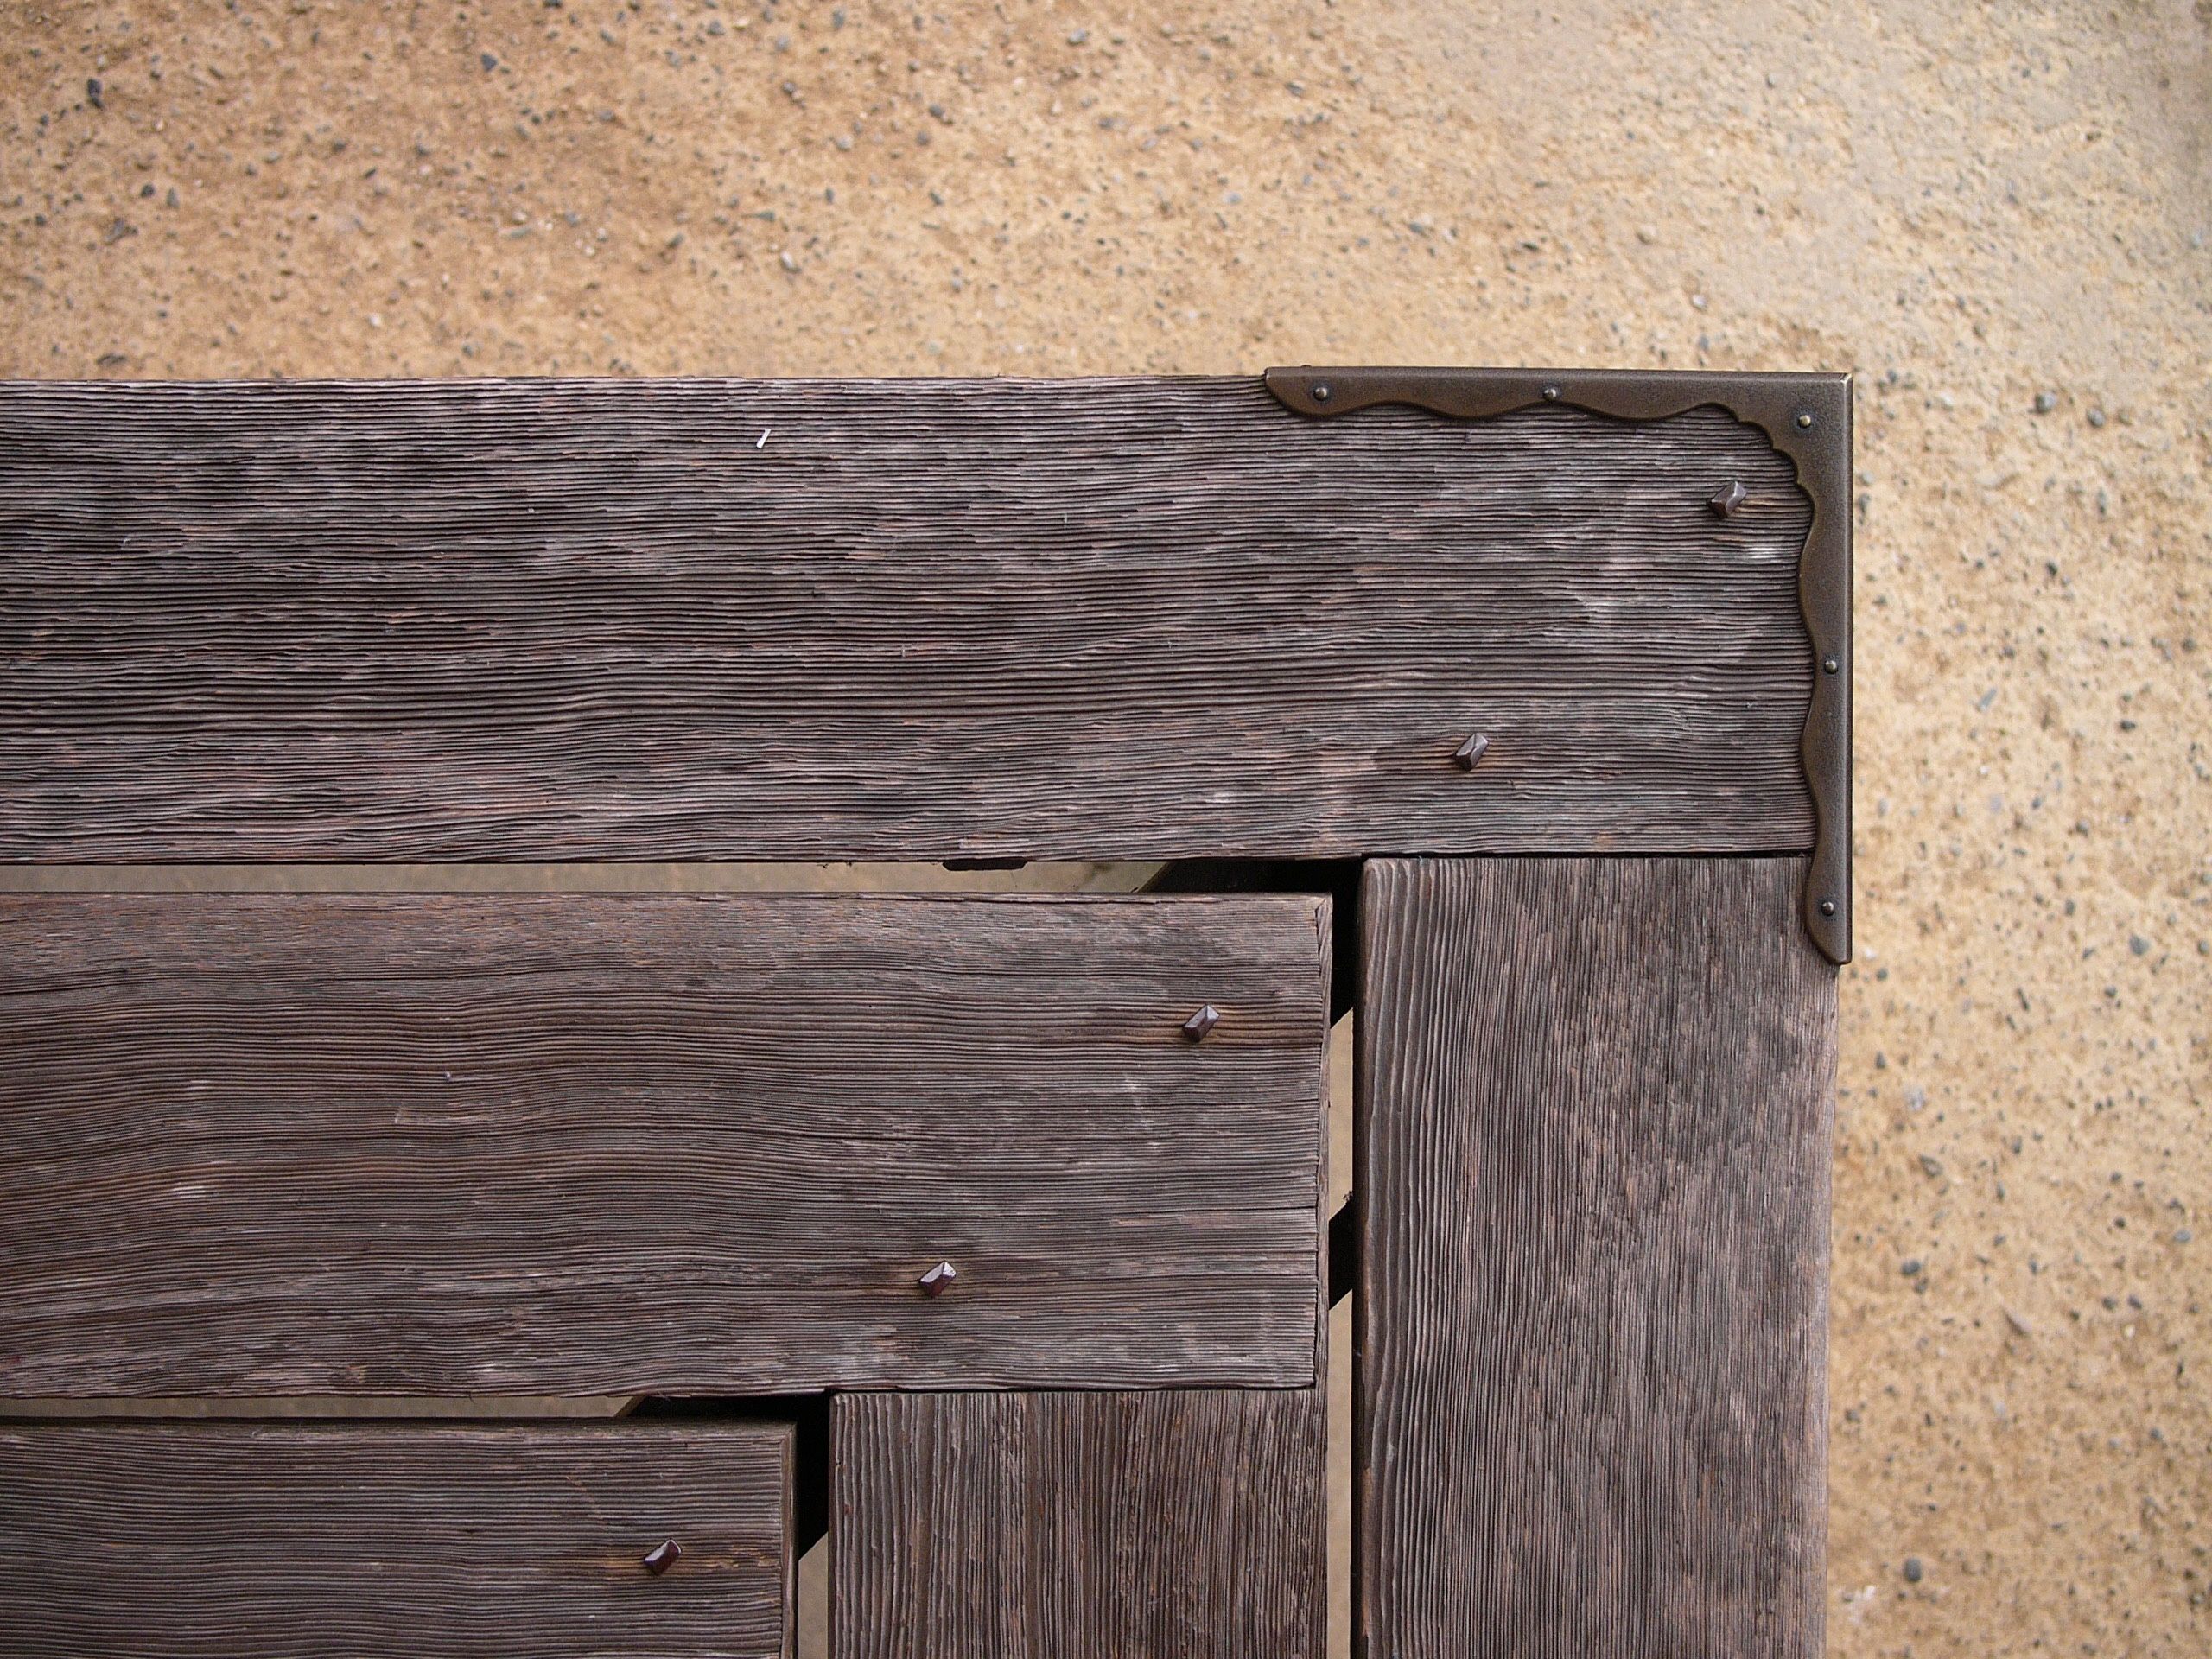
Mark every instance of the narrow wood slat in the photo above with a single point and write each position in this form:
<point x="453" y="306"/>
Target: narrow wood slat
<point x="236" y="1541"/>
<point x="274" y="1144"/>
<point x="1166" y="1525"/>
<point x="1133" y="618"/>
<point x="1594" y="1155"/>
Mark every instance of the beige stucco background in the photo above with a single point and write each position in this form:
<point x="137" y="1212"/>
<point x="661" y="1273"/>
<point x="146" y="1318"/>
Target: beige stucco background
<point x="1984" y="210"/>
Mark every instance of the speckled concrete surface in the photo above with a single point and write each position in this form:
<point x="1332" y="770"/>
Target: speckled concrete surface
<point x="1997" y="215"/>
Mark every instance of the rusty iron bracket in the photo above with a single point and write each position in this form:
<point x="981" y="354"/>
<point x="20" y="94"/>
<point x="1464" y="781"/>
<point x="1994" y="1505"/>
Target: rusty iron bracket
<point x="1806" y="417"/>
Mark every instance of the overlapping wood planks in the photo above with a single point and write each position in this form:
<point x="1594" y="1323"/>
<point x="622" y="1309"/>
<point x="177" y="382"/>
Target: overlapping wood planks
<point x="390" y="1146"/>
<point x="1163" y="1525"/>
<point x="277" y="1144"/>
<point x="244" y="1541"/>
<point x="892" y="619"/>
<point x="1593" y="1170"/>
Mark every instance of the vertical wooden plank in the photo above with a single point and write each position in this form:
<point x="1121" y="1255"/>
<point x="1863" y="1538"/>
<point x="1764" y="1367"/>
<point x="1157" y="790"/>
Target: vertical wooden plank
<point x="1596" y="1097"/>
<point x="1158" y="1525"/>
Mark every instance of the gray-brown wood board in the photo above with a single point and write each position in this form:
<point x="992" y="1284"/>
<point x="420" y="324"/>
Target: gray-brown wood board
<point x="895" y="619"/>
<point x="1593" y="1169"/>
<point x="1161" y="1525"/>
<point x="274" y="1144"/>
<point x="241" y="1540"/>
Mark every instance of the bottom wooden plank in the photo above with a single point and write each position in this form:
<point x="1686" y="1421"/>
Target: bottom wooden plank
<point x="1594" y="1173"/>
<point x="236" y="1541"/>
<point x="1067" y="1526"/>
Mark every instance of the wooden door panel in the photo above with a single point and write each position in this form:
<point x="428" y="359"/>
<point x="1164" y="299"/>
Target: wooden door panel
<point x="244" y="1541"/>
<point x="563" y="1144"/>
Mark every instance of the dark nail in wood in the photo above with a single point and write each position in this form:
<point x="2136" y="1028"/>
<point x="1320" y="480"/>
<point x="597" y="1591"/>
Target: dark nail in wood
<point x="1202" y="1021"/>
<point x="662" y="1556"/>
<point x="938" y="1279"/>
<point x="1466" y="756"/>
<point x="1724" y="504"/>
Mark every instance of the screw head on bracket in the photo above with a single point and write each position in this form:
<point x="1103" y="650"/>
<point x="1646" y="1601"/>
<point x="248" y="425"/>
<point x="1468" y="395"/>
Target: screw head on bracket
<point x="1724" y="502"/>
<point x="938" y="1279"/>
<point x="1827" y="906"/>
<point x="1470" y="752"/>
<point x="662" y="1556"/>
<point x="1551" y="394"/>
<point x="1804" y="417"/>
<point x="1321" y="392"/>
<point x="1830" y="665"/>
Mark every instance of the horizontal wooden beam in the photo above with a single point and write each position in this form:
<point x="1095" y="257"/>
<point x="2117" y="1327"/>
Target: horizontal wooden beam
<point x="238" y="1541"/>
<point x="281" y="1144"/>
<point x="888" y="619"/>
<point x="977" y="1526"/>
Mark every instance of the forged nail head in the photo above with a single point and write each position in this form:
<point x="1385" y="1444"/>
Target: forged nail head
<point x="1470" y="752"/>
<point x="662" y="1556"/>
<point x="938" y="1279"/>
<point x="1202" y="1022"/>
<point x="1724" y="502"/>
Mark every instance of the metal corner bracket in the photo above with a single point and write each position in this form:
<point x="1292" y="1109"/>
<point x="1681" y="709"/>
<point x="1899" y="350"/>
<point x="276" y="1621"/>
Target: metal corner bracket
<point x="1806" y="417"/>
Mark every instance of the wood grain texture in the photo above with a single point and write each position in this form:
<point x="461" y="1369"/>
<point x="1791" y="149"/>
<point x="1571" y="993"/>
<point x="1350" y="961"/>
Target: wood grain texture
<point x="236" y="1540"/>
<point x="1594" y="1151"/>
<point x="1118" y="619"/>
<point x="1163" y="1525"/>
<point x="277" y="1144"/>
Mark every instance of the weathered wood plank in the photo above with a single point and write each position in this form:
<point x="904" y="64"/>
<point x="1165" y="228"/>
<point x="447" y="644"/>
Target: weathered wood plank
<point x="1132" y="619"/>
<point x="1593" y="1155"/>
<point x="274" y="1144"/>
<point x="1164" y="1525"/>
<point x="236" y="1540"/>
